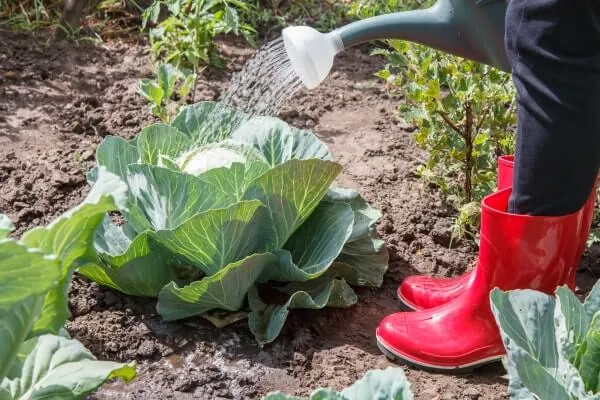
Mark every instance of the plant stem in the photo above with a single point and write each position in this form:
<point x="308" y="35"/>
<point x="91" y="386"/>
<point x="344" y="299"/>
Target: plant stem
<point x="468" y="137"/>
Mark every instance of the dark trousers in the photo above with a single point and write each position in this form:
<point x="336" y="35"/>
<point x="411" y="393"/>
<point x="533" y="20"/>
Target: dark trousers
<point x="554" y="49"/>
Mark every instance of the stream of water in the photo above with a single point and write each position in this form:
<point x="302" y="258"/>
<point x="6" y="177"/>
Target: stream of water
<point x="265" y="83"/>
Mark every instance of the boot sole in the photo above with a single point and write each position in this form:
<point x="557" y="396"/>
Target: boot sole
<point x="395" y="356"/>
<point x="406" y="305"/>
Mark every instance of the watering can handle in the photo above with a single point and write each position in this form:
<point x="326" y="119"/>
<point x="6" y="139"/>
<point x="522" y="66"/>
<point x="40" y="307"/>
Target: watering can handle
<point x="473" y="29"/>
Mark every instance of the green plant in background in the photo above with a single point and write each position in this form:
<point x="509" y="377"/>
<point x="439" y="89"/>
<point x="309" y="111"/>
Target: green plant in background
<point x="324" y="15"/>
<point x="464" y="112"/>
<point x="38" y="359"/>
<point x="186" y="36"/>
<point x="370" y="8"/>
<point x="380" y="384"/>
<point x="552" y="343"/>
<point x="169" y="80"/>
<point x="224" y="209"/>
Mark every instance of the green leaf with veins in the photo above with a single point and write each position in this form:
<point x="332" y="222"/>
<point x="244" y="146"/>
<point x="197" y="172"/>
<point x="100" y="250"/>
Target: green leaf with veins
<point x="54" y="367"/>
<point x="134" y="265"/>
<point x="216" y="238"/>
<point x="314" y="246"/>
<point x="160" y="140"/>
<point x="115" y="154"/>
<point x="207" y="121"/>
<point x="225" y="290"/>
<point x="164" y="199"/>
<point x="25" y="278"/>
<point x="291" y="191"/>
<point x="267" y="320"/>
<point x="70" y="239"/>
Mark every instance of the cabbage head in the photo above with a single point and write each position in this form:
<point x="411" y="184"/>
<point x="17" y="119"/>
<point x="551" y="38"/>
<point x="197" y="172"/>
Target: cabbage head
<point x="231" y="217"/>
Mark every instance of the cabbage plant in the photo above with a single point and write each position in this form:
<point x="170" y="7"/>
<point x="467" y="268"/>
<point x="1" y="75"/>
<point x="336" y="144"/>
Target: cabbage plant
<point x="38" y="359"/>
<point x="228" y="215"/>
<point x="380" y="384"/>
<point x="552" y="343"/>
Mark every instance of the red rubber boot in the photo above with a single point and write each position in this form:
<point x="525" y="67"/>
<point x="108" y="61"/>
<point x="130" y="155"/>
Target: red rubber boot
<point x="421" y="292"/>
<point x="516" y="252"/>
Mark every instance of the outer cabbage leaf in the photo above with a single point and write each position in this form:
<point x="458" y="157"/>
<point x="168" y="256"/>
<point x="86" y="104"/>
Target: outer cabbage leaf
<point x="158" y="142"/>
<point x="216" y="238"/>
<point x="208" y="121"/>
<point x="54" y="367"/>
<point x="380" y="384"/>
<point x="536" y="378"/>
<point x="279" y="142"/>
<point x="25" y="278"/>
<point x="70" y="239"/>
<point x="225" y="290"/>
<point x="314" y="246"/>
<point x="364" y="258"/>
<point x="571" y="323"/>
<point x="271" y="136"/>
<point x="589" y="360"/>
<point x="308" y="146"/>
<point x="233" y="181"/>
<point x="592" y="302"/>
<point x="267" y="320"/>
<point x="531" y="331"/>
<point x="160" y="198"/>
<point x="291" y="191"/>
<point x="390" y="383"/>
<point x="115" y="154"/>
<point x="134" y="265"/>
<point x="365" y="216"/>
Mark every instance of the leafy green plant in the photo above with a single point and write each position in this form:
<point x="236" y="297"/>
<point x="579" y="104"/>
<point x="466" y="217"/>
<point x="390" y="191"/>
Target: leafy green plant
<point x="224" y="208"/>
<point x="552" y="343"/>
<point x="380" y="384"/>
<point x="38" y="359"/>
<point x="186" y="36"/>
<point x="371" y="8"/>
<point x="324" y="15"/>
<point x="463" y="110"/>
<point x="169" y="80"/>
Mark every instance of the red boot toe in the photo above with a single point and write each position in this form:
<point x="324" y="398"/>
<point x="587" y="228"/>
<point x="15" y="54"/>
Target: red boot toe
<point x="422" y="292"/>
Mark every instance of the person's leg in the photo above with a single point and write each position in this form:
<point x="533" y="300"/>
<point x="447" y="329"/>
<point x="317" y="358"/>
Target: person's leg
<point x="554" y="46"/>
<point x="542" y="213"/>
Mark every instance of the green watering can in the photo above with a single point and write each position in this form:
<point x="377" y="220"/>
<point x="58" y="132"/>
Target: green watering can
<point x="472" y="29"/>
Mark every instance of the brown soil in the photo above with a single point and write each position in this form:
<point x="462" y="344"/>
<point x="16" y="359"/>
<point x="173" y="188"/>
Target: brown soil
<point x="56" y="104"/>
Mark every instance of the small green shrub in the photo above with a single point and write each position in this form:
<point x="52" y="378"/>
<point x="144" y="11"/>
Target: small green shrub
<point x="169" y="80"/>
<point x="186" y="36"/>
<point x="463" y="111"/>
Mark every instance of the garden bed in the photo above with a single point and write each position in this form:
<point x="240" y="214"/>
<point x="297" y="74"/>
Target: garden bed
<point x="58" y="102"/>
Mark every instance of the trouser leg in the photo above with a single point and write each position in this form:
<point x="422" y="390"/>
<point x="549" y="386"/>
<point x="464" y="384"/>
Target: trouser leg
<point x="554" y="48"/>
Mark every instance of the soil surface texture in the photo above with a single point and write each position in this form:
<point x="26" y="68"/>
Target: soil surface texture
<point x="58" y="101"/>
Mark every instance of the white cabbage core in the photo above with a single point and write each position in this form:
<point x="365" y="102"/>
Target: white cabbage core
<point x="203" y="160"/>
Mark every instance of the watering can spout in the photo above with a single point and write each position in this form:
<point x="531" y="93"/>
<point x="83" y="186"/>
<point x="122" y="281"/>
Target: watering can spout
<point x="472" y="29"/>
